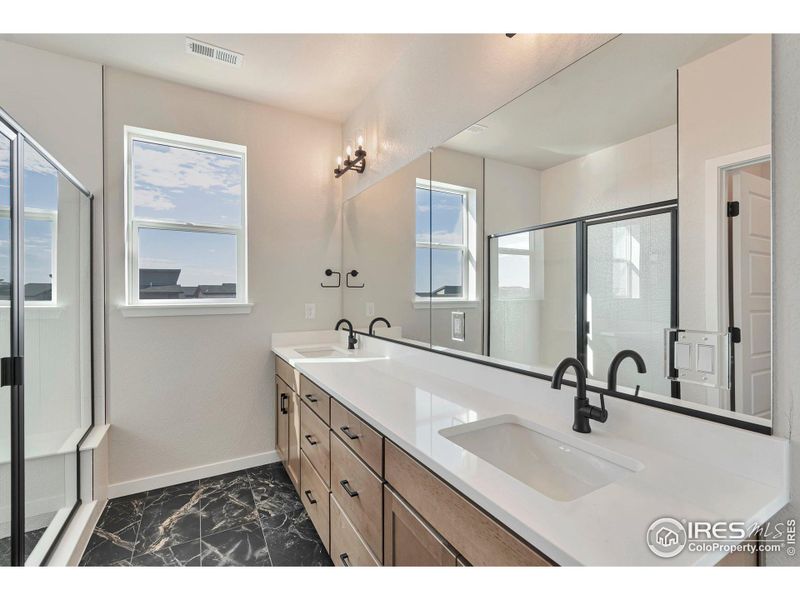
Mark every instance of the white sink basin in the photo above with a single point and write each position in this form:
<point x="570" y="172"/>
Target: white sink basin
<point x="560" y="468"/>
<point x="322" y="353"/>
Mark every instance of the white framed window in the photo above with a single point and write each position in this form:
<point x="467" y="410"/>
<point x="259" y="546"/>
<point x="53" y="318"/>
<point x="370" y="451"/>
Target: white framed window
<point x="186" y="216"/>
<point x="446" y="230"/>
<point x="625" y="261"/>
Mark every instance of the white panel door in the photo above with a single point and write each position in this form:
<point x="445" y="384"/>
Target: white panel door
<point x="752" y="293"/>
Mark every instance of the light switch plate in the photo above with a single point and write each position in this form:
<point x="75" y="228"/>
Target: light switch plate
<point x="370" y="309"/>
<point x="458" y="326"/>
<point x="311" y="311"/>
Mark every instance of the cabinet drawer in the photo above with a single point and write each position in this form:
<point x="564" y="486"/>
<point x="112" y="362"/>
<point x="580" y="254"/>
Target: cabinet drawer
<point x="359" y="493"/>
<point x="316" y="499"/>
<point x="347" y="547"/>
<point x="360" y="437"/>
<point x="315" y="442"/>
<point x="481" y="540"/>
<point x="286" y="372"/>
<point x="316" y="398"/>
<point x="407" y="540"/>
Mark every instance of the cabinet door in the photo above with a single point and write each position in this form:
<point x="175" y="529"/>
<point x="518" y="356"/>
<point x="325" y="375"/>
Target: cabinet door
<point x="407" y="540"/>
<point x="293" y="464"/>
<point x="282" y="395"/>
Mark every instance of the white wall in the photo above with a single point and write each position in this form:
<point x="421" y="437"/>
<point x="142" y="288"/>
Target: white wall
<point x="187" y="391"/>
<point x="442" y="84"/>
<point x="786" y="275"/>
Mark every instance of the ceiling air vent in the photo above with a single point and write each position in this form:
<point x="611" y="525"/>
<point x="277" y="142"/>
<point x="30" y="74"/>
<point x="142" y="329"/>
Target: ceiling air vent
<point x="215" y="53"/>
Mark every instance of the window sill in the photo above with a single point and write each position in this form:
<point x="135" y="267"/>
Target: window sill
<point x="426" y="304"/>
<point x="174" y="310"/>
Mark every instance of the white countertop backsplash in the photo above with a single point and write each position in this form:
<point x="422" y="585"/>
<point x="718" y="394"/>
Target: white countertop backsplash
<point x="693" y="468"/>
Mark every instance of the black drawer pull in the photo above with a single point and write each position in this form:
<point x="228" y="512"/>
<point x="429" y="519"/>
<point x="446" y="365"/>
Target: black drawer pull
<point x="345" y="429"/>
<point x="310" y="497"/>
<point x="350" y="491"/>
<point x="310" y="439"/>
<point x="345" y="560"/>
<point x="311" y="398"/>
<point x="284" y="398"/>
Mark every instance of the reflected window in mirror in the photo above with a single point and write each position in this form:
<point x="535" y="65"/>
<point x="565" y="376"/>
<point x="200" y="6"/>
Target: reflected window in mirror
<point x="446" y="243"/>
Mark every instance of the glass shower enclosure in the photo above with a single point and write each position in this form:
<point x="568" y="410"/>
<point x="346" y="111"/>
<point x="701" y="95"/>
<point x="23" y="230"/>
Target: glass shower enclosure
<point x="46" y="406"/>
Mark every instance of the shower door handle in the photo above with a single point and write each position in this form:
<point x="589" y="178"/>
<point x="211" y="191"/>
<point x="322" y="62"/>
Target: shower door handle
<point x="11" y="371"/>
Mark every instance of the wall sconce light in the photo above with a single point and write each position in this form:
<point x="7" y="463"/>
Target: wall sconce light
<point x="353" y="161"/>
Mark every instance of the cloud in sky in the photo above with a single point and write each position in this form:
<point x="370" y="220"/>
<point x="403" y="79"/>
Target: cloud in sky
<point x="186" y="185"/>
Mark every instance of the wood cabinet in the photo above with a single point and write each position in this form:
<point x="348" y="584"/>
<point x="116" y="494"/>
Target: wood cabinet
<point x="315" y="442"/>
<point x="293" y="459"/>
<point x="358" y="436"/>
<point x="480" y="539"/>
<point x="282" y="394"/>
<point x="316" y="499"/>
<point x="407" y="540"/>
<point x="317" y="399"/>
<point x="348" y="549"/>
<point x="359" y="492"/>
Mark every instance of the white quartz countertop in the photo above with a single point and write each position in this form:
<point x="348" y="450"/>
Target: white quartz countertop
<point x="692" y="469"/>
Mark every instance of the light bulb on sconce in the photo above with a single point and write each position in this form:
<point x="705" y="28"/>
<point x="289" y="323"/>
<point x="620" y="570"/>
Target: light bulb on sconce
<point x="353" y="161"/>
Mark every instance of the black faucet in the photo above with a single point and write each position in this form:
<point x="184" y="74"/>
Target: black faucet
<point x="378" y="320"/>
<point x="583" y="410"/>
<point x="614" y="367"/>
<point x="352" y="340"/>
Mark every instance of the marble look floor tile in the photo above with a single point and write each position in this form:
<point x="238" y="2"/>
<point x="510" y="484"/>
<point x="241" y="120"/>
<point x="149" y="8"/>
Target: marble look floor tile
<point x="226" y="502"/>
<point x="102" y="551"/>
<point x="114" y="537"/>
<point x="242" y="546"/>
<point x="273" y="491"/>
<point x="171" y="516"/>
<point x="293" y="541"/>
<point x="179" y="555"/>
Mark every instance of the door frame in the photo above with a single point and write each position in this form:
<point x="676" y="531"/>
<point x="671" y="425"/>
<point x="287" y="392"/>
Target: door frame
<point x="716" y="247"/>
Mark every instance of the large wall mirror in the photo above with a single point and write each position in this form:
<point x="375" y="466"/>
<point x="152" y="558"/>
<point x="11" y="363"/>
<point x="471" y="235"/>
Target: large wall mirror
<point x="623" y="204"/>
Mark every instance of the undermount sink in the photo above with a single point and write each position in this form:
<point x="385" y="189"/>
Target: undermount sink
<point x="540" y="458"/>
<point x="322" y="353"/>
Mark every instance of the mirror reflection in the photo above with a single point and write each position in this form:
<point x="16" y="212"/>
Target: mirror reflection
<point x="623" y="204"/>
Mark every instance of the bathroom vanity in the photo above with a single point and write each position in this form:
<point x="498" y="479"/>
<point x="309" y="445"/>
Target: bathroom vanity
<point x="403" y="457"/>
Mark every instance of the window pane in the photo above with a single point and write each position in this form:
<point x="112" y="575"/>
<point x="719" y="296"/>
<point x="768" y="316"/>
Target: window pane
<point x="186" y="264"/>
<point x="514" y="275"/>
<point x="39" y="180"/>
<point x="38" y="259"/>
<point x="423" y="215"/>
<point x="447" y="217"/>
<point x="447" y="277"/>
<point x="189" y="186"/>
<point x="423" y="272"/>
<point x="5" y="173"/>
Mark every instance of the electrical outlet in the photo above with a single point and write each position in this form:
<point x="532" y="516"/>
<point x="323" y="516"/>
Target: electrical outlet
<point x="370" y="309"/>
<point x="311" y="311"/>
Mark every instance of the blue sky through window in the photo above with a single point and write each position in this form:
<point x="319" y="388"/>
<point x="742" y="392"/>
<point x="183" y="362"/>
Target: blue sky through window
<point x="439" y="215"/>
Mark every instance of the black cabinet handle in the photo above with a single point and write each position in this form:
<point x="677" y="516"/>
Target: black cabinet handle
<point x="310" y="439"/>
<point x="284" y="398"/>
<point x="345" y="559"/>
<point x="311" y="398"/>
<point x="346" y="430"/>
<point x="350" y="491"/>
<point x="310" y="497"/>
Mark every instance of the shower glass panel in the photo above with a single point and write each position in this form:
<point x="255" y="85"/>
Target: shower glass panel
<point x="629" y="297"/>
<point x="57" y="346"/>
<point x="5" y="346"/>
<point x="532" y="309"/>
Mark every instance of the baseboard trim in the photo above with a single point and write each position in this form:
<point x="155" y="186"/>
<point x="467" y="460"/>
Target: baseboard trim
<point x="134" y="486"/>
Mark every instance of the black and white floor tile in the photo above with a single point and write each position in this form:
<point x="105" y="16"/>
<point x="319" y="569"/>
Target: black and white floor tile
<point x="31" y="539"/>
<point x="247" y="518"/>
